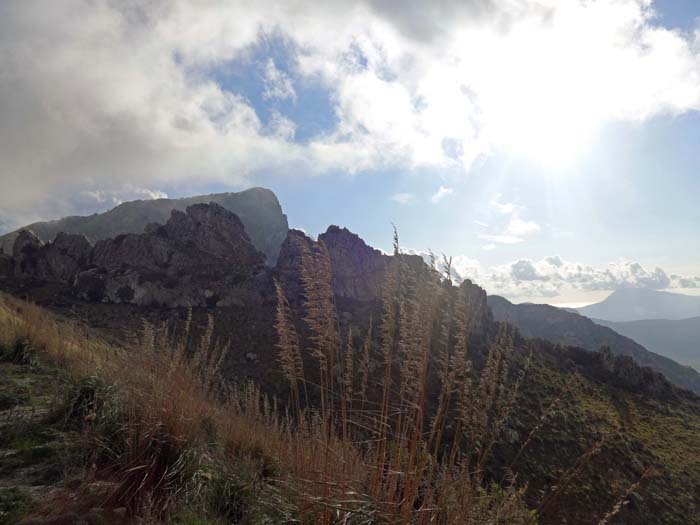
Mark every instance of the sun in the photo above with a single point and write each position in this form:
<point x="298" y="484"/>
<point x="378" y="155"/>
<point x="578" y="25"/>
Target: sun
<point x="536" y="96"/>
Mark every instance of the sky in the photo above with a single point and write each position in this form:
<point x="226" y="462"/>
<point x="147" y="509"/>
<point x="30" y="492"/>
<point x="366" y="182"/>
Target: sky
<point x="550" y="147"/>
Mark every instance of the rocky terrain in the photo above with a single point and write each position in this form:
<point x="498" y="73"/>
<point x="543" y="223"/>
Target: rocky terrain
<point x="201" y="257"/>
<point x="202" y="261"/>
<point x="257" y="208"/>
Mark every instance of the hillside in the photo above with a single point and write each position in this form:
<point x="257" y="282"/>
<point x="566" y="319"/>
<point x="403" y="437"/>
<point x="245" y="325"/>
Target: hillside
<point x="678" y="339"/>
<point x="257" y="208"/>
<point x="580" y="431"/>
<point x="568" y="328"/>
<point x="633" y="304"/>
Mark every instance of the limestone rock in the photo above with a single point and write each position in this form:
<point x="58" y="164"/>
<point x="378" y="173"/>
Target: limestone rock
<point x="201" y="257"/>
<point x="59" y="260"/>
<point x="65" y="256"/>
<point x="358" y="269"/>
<point x="258" y="209"/>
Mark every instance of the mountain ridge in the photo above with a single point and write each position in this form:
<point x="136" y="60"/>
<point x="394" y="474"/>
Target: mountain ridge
<point x="677" y="338"/>
<point x="634" y="304"/>
<point x="560" y="326"/>
<point x="258" y="209"/>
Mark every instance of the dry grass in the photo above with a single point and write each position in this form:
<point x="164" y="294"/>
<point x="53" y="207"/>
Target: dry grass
<point x="176" y="433"/>
<point x="408" y="471"/>
<point x="375" y="449"/>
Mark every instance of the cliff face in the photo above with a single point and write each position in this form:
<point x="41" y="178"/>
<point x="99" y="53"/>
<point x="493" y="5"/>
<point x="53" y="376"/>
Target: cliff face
<point x="59" y="260"/>
<point x="257" y="208"/>
<point x="358" y="269"/>
<point x="201" y="257"/>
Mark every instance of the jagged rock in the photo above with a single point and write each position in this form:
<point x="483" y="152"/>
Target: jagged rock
<point x="288" y="269"/>
<point x="199" y="257"/>
<point x="475" y="297"/>
<point x="258" y="209"/>
<point x="59" y="260"/>
<point x="65" y="256"/>
<point x="358" y="269"/>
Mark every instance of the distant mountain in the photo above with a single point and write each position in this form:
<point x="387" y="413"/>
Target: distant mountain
<point x="257" y="208"/>
<point x="634" y="304"/>
<point x="677" y="339"/>
<point x="560" y="326"/>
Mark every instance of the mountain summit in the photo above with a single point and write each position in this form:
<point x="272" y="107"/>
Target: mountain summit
<point x="257" y="208"/>
<point x="634" y="304"/>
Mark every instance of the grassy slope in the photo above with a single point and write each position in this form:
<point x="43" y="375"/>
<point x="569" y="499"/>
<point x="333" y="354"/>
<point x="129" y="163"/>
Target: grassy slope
<point x="634" y="432"/>
<point x="629" y="432"/>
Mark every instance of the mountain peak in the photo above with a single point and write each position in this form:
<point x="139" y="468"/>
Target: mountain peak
<point x="633" y="304"/>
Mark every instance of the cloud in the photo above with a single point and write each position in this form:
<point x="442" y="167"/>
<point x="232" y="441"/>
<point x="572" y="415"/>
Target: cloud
<point x="515" y="230"/>
<point x="281" y="127"/>
<point x="440" y="194"/>
<point x="501" y="239"/>
<point x="403" y="198"/>
<point x="136" y="93"/>
<point x="277" y="84"/>
<point x="552" y="276"/>
<point x="520" y="228"/>
<point x="503" y="207"/>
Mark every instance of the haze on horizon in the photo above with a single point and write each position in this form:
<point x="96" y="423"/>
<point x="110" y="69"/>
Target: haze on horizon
<point x="551" y="147"/>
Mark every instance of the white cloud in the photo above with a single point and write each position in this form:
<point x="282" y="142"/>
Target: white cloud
<point x="553" y="276"/>
<point x="519" y="227"/>
<point x="403" y="198"/>
<point x="281" y="127"/>
<point x="440" y="194"/>
<point x="501" y="239"/>
<point x="504" y="207"/>
<point x="488" y="247"/>
<point x="97" y="94"/>
<point x="277" y="84"/>
<point x="515" y="230"/>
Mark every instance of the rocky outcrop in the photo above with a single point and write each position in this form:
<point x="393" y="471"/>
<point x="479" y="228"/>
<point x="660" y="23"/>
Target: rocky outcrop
<point x="358" y="269"/>
<point x="257" y="208"/>
<point x="475" y="298"/>
<point x="65" y="256"/>
<point x="60" y="260"/>
<point x="25" y="252"/>
<point x="201" y="257"/>
<point x="288" y="269"/>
